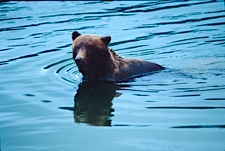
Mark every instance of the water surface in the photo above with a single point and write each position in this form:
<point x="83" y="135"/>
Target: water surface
<point x="44" y="106"/>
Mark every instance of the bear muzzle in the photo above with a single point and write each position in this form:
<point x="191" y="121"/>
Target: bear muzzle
<point x="80" y="57"/>
<point x="79" y="60"/>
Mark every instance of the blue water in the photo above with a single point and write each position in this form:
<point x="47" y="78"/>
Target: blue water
<point x="44" y="106"/>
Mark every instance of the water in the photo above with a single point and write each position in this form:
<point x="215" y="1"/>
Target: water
<point x="180" y="108"/>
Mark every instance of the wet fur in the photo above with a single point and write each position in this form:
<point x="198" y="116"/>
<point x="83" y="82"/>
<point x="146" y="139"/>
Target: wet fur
<point x="102" y="63"/>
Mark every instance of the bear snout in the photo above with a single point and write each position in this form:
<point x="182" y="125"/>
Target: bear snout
<point x="80" y="57"/>
<point x="79" y="60"/>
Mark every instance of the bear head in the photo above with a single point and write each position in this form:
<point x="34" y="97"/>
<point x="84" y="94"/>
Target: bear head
<point x="91" y="55"/>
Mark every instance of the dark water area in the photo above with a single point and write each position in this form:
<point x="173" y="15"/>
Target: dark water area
<point x="44" y="106"/>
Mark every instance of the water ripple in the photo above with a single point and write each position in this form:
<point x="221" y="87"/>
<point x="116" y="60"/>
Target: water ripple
<point x="29" y="56"/>
<point x="187" y="107"/>
<point x="191" y="20"/>
<point x="170" y="7"/>
<point x="199" y="126"/>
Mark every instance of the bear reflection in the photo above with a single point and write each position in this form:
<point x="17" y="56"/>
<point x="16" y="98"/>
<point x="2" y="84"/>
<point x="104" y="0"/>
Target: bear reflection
<point x="93" y="103"/>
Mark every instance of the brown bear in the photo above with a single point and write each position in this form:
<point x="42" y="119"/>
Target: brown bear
<point x="98" y="62"/>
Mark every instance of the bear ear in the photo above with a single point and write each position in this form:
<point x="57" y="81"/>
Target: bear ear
<point x="106" y="39"/>
<point x="75" y="34"/>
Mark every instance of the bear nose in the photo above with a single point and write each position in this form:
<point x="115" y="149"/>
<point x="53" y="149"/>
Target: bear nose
<point x="78" y="60"/>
